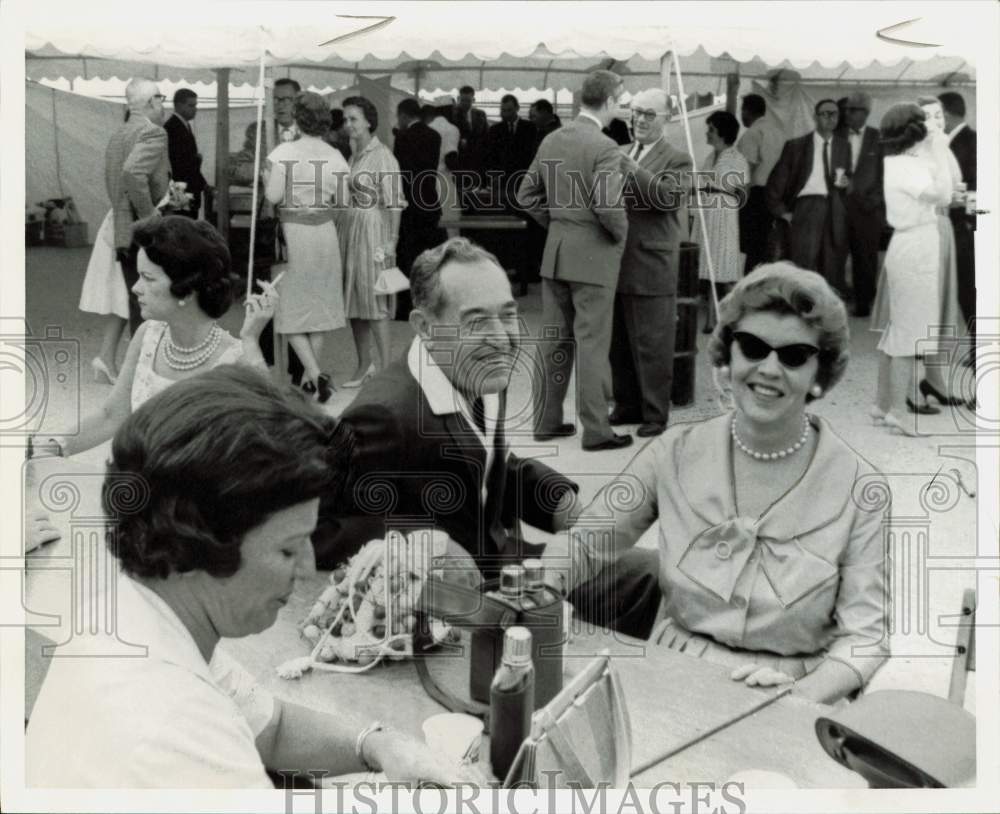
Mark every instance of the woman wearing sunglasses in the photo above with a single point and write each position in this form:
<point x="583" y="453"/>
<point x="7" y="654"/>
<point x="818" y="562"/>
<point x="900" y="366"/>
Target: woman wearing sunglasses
<point x="770" y="525"/>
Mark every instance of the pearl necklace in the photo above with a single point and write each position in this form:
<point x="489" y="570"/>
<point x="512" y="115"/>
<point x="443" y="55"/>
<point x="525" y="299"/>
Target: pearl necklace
<point x="180" y="358"/>
<point x="772" y="456"/>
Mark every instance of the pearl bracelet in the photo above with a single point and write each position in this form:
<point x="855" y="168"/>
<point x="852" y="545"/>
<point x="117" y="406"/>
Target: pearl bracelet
<point x="359" y="744"/>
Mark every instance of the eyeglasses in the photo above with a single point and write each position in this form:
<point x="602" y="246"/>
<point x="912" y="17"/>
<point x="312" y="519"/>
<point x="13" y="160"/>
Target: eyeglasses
<point x="648" y="115"/>
<point x="756" y="349"/>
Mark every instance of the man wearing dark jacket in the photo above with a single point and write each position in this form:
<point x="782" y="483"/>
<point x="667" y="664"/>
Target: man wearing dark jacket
<point x="185" y="160"/>
<point x="962" y="140"/>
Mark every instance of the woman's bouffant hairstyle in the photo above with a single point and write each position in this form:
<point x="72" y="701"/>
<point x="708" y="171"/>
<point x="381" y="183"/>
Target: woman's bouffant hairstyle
<point x="312" y="113"/>
<point x="725" y="125"/>
<point x="208" y="459"/>
<point x="902" y="126"/>
<point x="368" y="110"/>
<point x="783" y="288"/>
<point x="195" y="258"/>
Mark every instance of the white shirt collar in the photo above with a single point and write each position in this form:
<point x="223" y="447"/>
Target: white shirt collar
<point x="592" y="117"/>
<point x="956" y="131"/>
<point x="645" y="147"/>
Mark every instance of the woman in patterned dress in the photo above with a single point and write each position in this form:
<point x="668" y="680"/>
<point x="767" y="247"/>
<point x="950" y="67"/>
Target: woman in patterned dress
<point x="721" y="196"/>
<point x="369" y="229"/>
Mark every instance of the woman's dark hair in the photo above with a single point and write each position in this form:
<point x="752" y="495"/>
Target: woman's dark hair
<point x="195" y="258"/>
<point x="902" y="126"/>
<point x="368" y="110"/>
<point x="725" y="125"/>
<point x="783" y="288"/>
<point x="312" y="113"/>
<point x="208" y="459"/>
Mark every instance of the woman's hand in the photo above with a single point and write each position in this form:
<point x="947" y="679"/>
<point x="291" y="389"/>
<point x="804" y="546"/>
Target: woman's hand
<point x="753" y="675"/>
<point x="39" y="529"/>
<point x="404" y="759"/>
<point x="259" y="311"/>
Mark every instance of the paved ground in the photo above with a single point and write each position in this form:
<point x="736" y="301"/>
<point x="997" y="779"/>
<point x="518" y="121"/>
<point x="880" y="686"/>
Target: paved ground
<point x="930" y="522"/>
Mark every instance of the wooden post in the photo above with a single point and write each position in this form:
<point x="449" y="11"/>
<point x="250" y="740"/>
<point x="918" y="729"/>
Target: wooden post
<point x="732" y="92"/>
<point x="222" y="151"/>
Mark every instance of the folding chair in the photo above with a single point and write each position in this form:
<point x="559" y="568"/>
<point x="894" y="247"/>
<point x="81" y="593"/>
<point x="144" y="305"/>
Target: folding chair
<point x="965" y="645"/>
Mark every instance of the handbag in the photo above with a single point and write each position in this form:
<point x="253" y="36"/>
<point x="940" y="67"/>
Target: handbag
<point x="391" y="281"/>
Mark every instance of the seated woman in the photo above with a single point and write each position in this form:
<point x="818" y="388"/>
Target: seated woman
<point x="185" y="284"/>
<point x="234" y="467"/>
<point x="770" y="525"/>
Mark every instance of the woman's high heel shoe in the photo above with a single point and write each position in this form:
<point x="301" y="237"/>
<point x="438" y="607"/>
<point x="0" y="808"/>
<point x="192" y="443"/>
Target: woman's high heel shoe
<point x="894" y="423"/>
<point x="355" y="383"/>
<point x="928" y="390"/>
<point x="921" y="409"/>
<point x="324" y="386"/>
<point x="101" y="372"/>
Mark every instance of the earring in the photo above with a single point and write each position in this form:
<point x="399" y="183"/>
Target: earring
<point x="181" y="303"/>
<point x="816" y="391"/>
<point x="724" y="371"/>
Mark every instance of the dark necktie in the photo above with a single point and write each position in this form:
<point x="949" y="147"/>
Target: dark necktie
<point x="638" y="151"/>
<point x="479" y="415"/>
<point x="826" y="164"/>
<point x="510" y="128"/>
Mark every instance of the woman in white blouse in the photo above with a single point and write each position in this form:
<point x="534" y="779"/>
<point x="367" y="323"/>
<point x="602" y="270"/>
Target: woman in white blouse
<point x="232" y="467"/>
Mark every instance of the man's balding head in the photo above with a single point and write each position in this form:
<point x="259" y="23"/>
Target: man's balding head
<point x="650" y="110"/>
<point x="144" y="99"/>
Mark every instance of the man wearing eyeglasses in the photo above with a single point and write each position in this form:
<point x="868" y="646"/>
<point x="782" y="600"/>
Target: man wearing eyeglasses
<point x="806" y="190"/>
<point x="642" y="342"/>
<point x="136" y="175"/>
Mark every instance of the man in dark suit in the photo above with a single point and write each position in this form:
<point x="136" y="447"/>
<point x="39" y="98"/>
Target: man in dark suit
<point x="574" y="188"/>
<point x="805" y="189"/>
<point x="473" y="131"/>
<point x="185" y="160"/>
<point x="510" y="147"/>
<point x="429" y="436"/>
<point x="543" y="116"/>
<point x="136" y="176"/>
<point x="642" y="343"/>
<point x="863" y="199"/>
<point x="962" y="140"/>
<point x="417" y="147"/>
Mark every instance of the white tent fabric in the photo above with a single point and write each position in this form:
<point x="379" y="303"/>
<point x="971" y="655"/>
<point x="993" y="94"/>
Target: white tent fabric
<point x="512" y="44"/>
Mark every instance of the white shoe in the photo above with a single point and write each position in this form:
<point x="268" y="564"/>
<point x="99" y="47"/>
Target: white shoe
<point x="353" y="384"/>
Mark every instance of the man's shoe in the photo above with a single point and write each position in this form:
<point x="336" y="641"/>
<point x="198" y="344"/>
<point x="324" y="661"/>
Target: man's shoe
<point x="650" y="429"/>
<point x="562" y="431"/>
<point x="618" y="418"/>
<point x="615" y="442"/>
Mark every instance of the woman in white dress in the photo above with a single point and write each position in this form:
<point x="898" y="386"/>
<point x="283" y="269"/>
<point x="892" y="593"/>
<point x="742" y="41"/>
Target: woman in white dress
<point x="312" y="297"/>
<point x="917" y="181"/>
<point x="104" y="292"/>
<point x="234" y="467"/>
<point x="185" y="284"/>
<point x="721" y="195"/>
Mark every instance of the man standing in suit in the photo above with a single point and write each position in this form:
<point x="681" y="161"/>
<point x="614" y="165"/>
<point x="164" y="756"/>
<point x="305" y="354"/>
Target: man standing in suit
<point x="429" y="437"/>
<point x="185" y="160"/>
<point x="645" y="319"/>
<point x="473" y="129"/>
<point x="761" y="145"/>
<point x="543" y="116"/>
<point x="962" y="140"/>
<point x="574" y="187"/>
<point x="805" y="189"/>
<point x="136" y="175"/>
<point x="417" y="148"/>
<point x="863" y="200"/>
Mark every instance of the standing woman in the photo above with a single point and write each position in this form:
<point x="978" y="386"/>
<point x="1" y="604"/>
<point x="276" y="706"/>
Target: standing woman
<point x="369" y="230"/>
<point x="721" y="196"/>
<point x="312" y="300"/>
<point x="917" y="181"/>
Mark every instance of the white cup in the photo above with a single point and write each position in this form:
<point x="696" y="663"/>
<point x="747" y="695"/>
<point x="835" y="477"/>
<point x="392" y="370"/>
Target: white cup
<point x="454" y="735"/>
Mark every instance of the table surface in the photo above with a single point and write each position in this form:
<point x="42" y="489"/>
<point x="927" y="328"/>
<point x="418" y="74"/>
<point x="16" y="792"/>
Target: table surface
<point x="473" y="222"/>
<point x="673" y="700"/>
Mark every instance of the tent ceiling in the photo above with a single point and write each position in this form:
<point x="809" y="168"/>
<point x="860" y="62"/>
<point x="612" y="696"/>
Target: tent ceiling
<point x="515" y="44"/>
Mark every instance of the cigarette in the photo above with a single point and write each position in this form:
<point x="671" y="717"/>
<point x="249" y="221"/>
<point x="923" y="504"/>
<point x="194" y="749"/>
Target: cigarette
<point x="273" y="282"/>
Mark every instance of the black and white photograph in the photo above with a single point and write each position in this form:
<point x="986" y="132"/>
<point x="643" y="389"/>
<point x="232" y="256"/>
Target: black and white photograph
<point x="500" y="407"/>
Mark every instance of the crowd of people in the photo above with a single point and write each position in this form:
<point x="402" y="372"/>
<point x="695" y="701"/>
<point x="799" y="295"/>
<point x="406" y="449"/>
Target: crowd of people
<point x="769" y="558"/>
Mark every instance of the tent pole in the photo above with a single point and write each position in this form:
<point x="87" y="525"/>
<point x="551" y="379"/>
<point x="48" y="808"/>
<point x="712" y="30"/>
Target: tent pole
<point x="697" y="189"/>
<point x="665" y="73"/>
<point x="222" y="151"/>
<point x="732" y="91"/>
<point x="256" y="173"/>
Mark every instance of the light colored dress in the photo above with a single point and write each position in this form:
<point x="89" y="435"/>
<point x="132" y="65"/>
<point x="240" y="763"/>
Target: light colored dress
<point x="913" y="271"/>
<point x="802" y="583"/>
<point x="366" y="230"/>
<point x="312" y="291"/>
<point x="722" y="224"/>
<point x="104" y="290"/>
<point x="146" y="382"/>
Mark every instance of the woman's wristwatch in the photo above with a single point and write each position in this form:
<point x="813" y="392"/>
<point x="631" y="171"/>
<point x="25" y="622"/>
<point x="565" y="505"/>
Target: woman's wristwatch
<point x="359" y="744"/>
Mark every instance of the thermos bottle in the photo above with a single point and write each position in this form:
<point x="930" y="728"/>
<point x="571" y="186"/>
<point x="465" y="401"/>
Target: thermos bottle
<point x="512" y="700"/>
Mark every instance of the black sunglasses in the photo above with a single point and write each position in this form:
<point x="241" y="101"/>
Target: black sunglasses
<point x="756" y="349"/>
